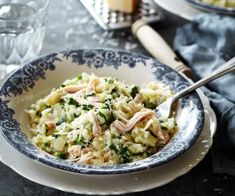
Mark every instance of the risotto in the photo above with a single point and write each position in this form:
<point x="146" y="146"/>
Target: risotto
<point x="101" y="121"/>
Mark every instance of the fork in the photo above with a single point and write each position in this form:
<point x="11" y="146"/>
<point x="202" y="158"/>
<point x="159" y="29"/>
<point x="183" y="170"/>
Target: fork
<point x="164" y="109"/>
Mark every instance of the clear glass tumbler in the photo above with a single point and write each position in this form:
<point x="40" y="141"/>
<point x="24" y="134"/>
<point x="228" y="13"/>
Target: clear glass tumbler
<point x="22" y="30"/>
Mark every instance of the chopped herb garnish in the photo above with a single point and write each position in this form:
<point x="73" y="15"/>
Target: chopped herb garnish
<point x="102" y="115"/>
<point x="87" y="107"/>
<point x="60" y="121"/>
<point x="110" y="81"/>
<point x="135" y="90"/>
<point x="62" y="101"/>
<point x="123" y="151"/>
<point x="150" y="105"/>
<point x="60" y="155"/>
<point x="114" y="90"/>
<point x="91" y="94"/>
<point x="108" y="100"/>
<point x="38" y="113"/>
<point x="106" y="106"/>
<point x="81" y="141"/>
<point x="110" y="119"/>
<point x="73" y="102"/>
<point x="62" y="85"/>
<point x="112" y="147"/>
<point x="125" y="154"/>
<point x="79" y="77"/>
<point x="129" y="100"/>
<point x="55" y="135"/>
<point x="76" y="115"/>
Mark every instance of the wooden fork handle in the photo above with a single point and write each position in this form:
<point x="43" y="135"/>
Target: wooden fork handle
<point x="157" y="47"/>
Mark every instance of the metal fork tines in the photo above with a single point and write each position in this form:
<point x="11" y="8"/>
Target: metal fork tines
<point x="164" y="109"/>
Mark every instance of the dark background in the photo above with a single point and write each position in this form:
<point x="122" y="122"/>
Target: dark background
<point x="70" y="26"/>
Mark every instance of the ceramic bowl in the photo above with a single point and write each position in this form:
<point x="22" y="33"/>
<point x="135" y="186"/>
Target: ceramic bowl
<point x="35" y="79"/>
<point x="211" y="8"/>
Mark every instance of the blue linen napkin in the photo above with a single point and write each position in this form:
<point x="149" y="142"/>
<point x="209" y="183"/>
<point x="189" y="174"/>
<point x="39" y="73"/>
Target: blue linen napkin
<point x="205" y="44"/>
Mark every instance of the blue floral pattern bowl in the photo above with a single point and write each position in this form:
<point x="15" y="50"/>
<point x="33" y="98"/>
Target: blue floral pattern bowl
<point x="34" y="80"/>
<point x="211" y="8"/>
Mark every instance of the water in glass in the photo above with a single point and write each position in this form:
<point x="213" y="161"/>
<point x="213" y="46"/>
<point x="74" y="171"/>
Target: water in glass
<point x="21" y="35"/>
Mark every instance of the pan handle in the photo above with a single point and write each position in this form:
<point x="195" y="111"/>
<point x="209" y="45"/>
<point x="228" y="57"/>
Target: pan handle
<point x="157" y="47"/>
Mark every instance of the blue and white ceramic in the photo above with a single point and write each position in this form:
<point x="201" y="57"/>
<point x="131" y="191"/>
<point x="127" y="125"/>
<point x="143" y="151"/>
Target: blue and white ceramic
<point x="36" y="79"/>
<point x="204" y="6"/>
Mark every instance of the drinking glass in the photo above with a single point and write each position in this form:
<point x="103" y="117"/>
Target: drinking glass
<point x="22" y="30"/>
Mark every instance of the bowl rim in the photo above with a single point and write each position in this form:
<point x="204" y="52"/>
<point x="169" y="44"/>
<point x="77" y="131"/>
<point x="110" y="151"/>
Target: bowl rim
<point x="104" y="170"/>
<point x="208" y="7"/>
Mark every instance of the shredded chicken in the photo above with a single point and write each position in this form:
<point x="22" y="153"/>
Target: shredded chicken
<point x="50" y="124"/>
<point x="83" y="101"/>
<point x="96" y="127"/>
<point x="149" y="123"/>
<point x="166" y="137"/>
<point x="79" y="93"/>
<point x="160" y="134"/>
<point x="73" y="88"/>
<point x="85" y="150"/>
<point x="107" y="156"/>
<point x="92" y="85"/>
<point x="74" y="151"/>
<point x="139" y="98"/>
<point x="132" y="122"/>
<point x="137" y="117"/>
<point x="85" y="158"/>
<point x="155" y="127"/>
<point x="94" y="99"/>
<point x="55" y="96"/>
<point x="120" y="115"/>
<point x="119" y="126"/>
